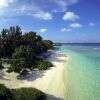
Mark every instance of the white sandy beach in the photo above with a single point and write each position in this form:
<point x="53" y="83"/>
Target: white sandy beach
<point x="50" y="82"/>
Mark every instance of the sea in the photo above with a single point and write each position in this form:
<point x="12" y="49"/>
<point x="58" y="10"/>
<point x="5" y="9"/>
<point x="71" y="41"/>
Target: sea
<point x="82" y="77"/>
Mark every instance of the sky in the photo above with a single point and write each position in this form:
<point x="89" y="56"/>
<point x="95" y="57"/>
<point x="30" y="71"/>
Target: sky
<point x="65" y="21"/>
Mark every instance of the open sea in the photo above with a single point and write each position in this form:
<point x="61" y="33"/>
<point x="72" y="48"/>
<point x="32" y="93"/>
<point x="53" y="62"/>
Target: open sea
<point x="82" y="71"/>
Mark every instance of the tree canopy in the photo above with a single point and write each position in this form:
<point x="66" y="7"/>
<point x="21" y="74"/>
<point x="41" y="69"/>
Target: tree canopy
<point x="28" y="94"/>
<point x="22" y="48"/>
<point x="13" y="38"/>
<point x="23" y="57"/>
<point x="5" y="93"/>
<point x="21" y="94"/>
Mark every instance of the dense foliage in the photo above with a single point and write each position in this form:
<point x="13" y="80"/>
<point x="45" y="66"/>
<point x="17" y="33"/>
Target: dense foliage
<point x="46" y="44"/>
<point x="13" y="38"/>
<point x="43" y="65"/>
<point x="5" y="93"/>
<point x="23" y="57"/>
<point x="9" y="40"/>
<point x="21" y="94"/>
<point x="28" y="94"/>
<point x="23" y="49"/>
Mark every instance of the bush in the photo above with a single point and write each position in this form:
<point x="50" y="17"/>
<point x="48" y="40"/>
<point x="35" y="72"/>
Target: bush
<point x="46" y="45"/>
<point x="22" y="58"/>
<point x="5" y="93"/>
<point x="10" y="69"/>
<point x="28" y="94"/>
<point x="43" y="65"/>
<point x="21" y="94"/>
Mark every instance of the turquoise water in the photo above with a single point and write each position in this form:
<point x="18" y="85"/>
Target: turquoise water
<point x="82" y="72"/>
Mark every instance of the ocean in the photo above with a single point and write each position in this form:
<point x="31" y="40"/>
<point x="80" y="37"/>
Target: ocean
<point x="82" y="77"/>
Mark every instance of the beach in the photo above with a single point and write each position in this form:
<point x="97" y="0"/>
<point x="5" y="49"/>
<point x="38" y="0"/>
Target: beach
<point x="50" y="81"/>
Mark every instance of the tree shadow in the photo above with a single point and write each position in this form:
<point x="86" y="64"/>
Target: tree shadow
<point x="55" y="58"/>
<point x="51" y="97"/>
<point x="2" y="75"/>
<point x="58" y="60"/>
<point x="31" y="76"/>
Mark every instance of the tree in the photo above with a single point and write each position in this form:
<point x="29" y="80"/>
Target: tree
<point x="3" y="33"/>
<point x="21" y="94"/>
<point x="10" y="39"/>
<point x="45" y="45"/>
<point x="30" y="36"/>
<point x="28" y="94"/>
<point x="5" y="93"/>
<point x="43" y="65"/>
<point x="22" y="58"/>
<point x="23" y="49"/>
<point x="38" y="38"/>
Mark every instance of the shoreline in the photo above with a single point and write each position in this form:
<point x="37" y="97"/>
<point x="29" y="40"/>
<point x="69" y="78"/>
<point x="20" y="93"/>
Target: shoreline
<point x="50" y="81"/>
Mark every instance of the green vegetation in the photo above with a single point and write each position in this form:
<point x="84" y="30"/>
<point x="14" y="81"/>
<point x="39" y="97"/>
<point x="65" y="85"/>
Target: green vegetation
<point x="43" y="65"/>
<point x="46" y="44"/>
<point x="23" y="49"/>
<point x="28" y="94"/>
<point x="5" y="93"/>
<point x="23" y="57"/>
<point x="57" y="44"/>
<point x="21" y="94"/>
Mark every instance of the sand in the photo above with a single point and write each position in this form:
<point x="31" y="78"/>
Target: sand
<point x="50" y="81"/>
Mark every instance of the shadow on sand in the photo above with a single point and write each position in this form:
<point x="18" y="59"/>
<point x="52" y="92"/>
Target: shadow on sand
<point x="2" y="75"/>
<point x="51" y="97"/>
<point x="39" y="74"/>
<point x="31" y="76"/>
<point x="55" y="58"/>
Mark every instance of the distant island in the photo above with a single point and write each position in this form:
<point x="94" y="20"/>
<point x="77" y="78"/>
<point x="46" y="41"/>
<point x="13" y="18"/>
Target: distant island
<point x="57" y="44"/>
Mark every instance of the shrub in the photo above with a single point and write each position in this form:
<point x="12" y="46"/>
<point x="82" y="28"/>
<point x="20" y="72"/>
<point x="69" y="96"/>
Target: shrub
<point x="21" y="94"/>
<point x="10" y="69"/>
<point x="5" y="93"/>
<point x="22" y="58"/>
<point x="43" y="65"/>
<point x="28" y="94"/>
<point x="46" y="44"/>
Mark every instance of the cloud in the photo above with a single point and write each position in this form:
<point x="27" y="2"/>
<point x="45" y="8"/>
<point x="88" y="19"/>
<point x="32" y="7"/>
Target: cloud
<point x="73" y="1"/>
<point x="41" y="9"/>
<point x="75" y="25"/>
<point x="92" y="24"/>
<point x="43" y="15"/>
<point x="71" y="16"/>
<point x="20" y="8"/>
<point x="43" y="30"/>
<point x="5" y="3"/>
<point x="24" y="6"/>
<point x="65" y="30"/>
<point x="62" y="5"/>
